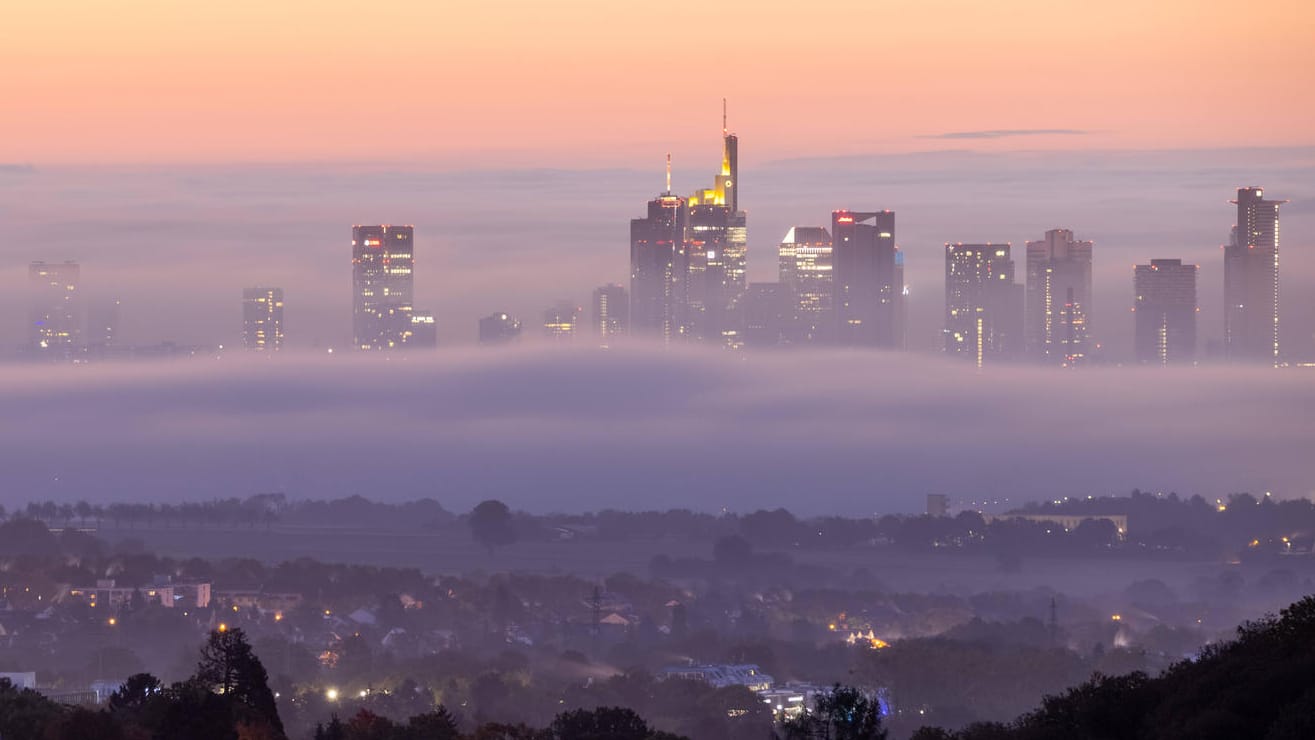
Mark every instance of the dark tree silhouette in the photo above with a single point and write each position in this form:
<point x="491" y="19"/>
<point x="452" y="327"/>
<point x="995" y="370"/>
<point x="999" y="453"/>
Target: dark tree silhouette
<point x="436" y="725"/>
<point x="230" y="667"/>
<point x="24" y="712"/>
<point x="135" y="692"/>
<point x="490" y="523"/>
<point x="732" y="552"/>
<point x="332" y="731"/>
<point x="843" y="713"/>
<point x="603" y="723"/>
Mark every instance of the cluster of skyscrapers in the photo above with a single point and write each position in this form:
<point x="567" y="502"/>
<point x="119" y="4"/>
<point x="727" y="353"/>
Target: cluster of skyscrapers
<point x="845" y="286"/>
<point x="985" y="310"/>
<point x="61" y="326"/>
<point x="688" y="274"/>
<point x="842" y="286"/>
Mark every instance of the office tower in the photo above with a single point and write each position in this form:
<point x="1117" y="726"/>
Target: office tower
<point x="1251" y="279"/>
<point x="901" y="302"/>
<point x="865" y="295"/>
<point x="424" y="330"/>
<point x="1071" y="338"/>
<point x="262" y="319"/>
<point x="382" y="286"/>
<point x="659" y="268"/>
<point x="54" y="321"/>
<point x="611" y="316"/>
<point x="983" y="305"/>
<point x="1058" y="291"/>
<point x="1165" y="312"/>
<point x="561" y="321"/>
<point x="767" y="309"/>
<point x="718" y="251"/>
<point x="804" y="265"/>
<point x="103" y="324"/>
<point x="500" y="328"/>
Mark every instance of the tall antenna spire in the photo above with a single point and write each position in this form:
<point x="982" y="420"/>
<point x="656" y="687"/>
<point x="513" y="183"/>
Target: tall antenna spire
<point x="668" y="173"/>
<point x="724" y="129"/>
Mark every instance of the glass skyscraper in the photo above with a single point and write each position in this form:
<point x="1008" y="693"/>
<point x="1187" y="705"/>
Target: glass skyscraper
<point x="1251" y="279"/>
<point x="1058" y="298"/>
<point x="1165" y="312"/>
<point x="383" y="283"/>
<point x="262" y="319"/>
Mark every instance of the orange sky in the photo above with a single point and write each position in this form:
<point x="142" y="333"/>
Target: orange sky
<point x="614" y="83"/>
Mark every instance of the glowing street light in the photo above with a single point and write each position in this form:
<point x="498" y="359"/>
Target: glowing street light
<point x="331" y="695"/>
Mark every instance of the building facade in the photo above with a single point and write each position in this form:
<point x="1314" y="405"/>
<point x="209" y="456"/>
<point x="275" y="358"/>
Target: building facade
<point x="611" y="313"/>
<point x="424" y="330"/>
<point x="983" y="304"/>
<point x="865" y="295"/>
<point x="659" y="269"/>
<point x="1058" y="299"/>
<point x="718" y="252"/>
<point x="1251" y="280"/>
<point x="804" y="262"/>
<point x="383" y="286"/>
<point x="561" y="322"/>
<point x="103" y="325"/>
<point x="1164" y="312"/>
<point x="54" y="328"/>
<point x="262" y="319"/>
<point x="766" y="315"/>
<point x="499" y="328"/>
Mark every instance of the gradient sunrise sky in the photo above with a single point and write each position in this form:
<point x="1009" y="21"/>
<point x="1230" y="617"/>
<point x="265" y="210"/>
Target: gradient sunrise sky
<point x="605" y="83"/>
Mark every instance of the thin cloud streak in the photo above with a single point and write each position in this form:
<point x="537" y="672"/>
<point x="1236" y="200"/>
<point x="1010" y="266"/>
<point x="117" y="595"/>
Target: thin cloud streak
<point x="1005" y="133"/>
<point x="550" y="429"/>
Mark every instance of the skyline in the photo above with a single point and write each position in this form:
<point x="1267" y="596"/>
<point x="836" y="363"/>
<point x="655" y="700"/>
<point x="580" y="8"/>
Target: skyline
<point x="747" y="369"/>
<point x="435" y="267"/>
<point x="174" y="83"/>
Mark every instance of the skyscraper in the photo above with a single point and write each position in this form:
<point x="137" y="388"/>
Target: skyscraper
<point x="262" y="319"/>
<point x="611" y="313"/>
<point x="561" y="322"/>
<point x="865" y="295"/>
<point x="1058" y="298"/>
<point x="659" y="270"/>
<point x="766" y="312"/>
<point x="901" y="302"/>
<point x="500" y="328"/>
<point x="804" y="265"/>
<point x="54" y="309"/>
<point x="383" y="286"/>
<point x="1251" y="279"/>
<point x="1165" y="312"/>
<point x="103" y="324"/>
<point x="424" y="330"/>
<point x="983" y="305"/>
<point x="718" y="251"/>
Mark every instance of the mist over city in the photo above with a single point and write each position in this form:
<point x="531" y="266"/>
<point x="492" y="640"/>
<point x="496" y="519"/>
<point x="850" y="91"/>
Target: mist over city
<point x="609" y="371"/>
<point x="547" y="429"/>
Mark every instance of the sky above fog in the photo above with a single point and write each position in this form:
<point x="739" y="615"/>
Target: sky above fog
<point x="606" y="83"/>
<point x="549" y="429"/>
<point x="177" y="244"/>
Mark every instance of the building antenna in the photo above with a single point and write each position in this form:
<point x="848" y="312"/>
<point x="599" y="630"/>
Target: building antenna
<point x="724" y="129"/>
<point x="668" y="173"/>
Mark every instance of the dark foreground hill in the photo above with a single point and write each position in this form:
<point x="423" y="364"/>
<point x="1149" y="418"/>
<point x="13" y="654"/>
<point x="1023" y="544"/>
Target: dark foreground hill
<point x="1261" y="685"/>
